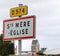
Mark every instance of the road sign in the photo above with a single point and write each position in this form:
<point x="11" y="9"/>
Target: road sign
<point x="18" y="11"/>
<point x="19" y="28"/>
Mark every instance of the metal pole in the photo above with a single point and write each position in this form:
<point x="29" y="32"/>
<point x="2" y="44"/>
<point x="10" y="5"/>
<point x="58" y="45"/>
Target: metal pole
<point x="19" y="47"/>
<point x="19" y="42"/>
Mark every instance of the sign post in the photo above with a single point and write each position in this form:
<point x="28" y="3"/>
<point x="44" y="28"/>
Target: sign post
<point x="19" y="28"/>
<point x="19" y="41"/>
<point x="19" y="47"/>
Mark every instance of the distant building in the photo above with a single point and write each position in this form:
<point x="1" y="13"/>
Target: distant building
<point x="35" y="46"/>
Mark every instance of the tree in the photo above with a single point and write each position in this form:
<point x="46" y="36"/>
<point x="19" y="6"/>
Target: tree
<point x="6" y="47"/>
<point x="41" y="52"/>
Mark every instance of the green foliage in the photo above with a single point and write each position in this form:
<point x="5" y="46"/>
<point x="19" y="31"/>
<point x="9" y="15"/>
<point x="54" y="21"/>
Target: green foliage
<point x="40" y="53"/>
<point x="11" y="48"/>
<point x="6" y="47"/>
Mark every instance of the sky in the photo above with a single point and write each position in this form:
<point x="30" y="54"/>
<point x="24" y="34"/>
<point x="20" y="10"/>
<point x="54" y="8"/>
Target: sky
<point x="47" y="14"/>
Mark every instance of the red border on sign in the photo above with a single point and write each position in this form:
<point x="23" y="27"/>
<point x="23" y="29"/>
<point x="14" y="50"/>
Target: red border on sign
<point x="20" y="38"/>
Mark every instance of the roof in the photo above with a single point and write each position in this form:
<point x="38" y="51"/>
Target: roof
<point x="53" y="51"/>
<point x="34" y="41"/>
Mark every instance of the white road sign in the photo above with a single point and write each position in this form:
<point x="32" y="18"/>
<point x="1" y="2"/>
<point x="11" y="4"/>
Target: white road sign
<point x="19" y="28"/>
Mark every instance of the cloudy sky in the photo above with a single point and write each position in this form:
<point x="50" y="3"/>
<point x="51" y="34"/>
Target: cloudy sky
<point x="47" y="20"/>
